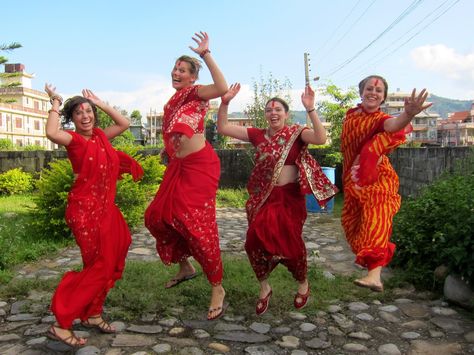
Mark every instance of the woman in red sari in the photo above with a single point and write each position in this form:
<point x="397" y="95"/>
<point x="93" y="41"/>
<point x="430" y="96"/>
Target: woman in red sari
<point x="284" y="172"/>
<point x="371" y="196"/>
<point x="95" y="221"/>
<point x="182" y="216"/>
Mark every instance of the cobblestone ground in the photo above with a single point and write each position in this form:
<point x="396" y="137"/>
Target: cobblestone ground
<point x="408" y="325"/>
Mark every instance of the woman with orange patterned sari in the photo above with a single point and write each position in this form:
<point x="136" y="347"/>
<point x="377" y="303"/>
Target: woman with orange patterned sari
<point x="95" y="221"/>
<point x="182" y="216"/>
<point x="276" y="209"/>
<point x="371" y="196"/>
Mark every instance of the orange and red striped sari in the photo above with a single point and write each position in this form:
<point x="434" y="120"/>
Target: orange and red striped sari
<point x="372" y="202"/>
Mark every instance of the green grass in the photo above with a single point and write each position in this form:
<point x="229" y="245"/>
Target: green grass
<point x="232" y="197"/>
<point x="19" y="242"/>
<point x="130" y="300"/>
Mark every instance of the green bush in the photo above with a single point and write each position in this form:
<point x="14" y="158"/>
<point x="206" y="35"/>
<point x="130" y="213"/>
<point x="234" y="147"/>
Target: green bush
<point x="33" y="147"/>
<point x="6" y="144"/>
<point x="232" y="197"/>
<point x="53" y="186"/>
<point x="437" y="228"/>
<point x="56" y="181"/>
<point x="15" y="181"/>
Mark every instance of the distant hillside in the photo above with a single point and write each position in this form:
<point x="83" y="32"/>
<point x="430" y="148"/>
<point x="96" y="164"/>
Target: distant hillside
<point x="443" y="106"/>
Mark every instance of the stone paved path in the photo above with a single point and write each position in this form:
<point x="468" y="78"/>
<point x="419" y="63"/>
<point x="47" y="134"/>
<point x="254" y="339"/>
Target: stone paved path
<point x="408" y="325"/>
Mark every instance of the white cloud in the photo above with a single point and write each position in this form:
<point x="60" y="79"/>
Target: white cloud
<point x="446" y="62"/>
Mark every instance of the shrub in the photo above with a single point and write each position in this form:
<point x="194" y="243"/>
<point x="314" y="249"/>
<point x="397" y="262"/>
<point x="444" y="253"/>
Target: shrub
<point x="437" y="228"/>
<point x="33" y="147"/>
<point x="6" y="144"/>
<point x="15" y="181"/>
<point x="53" y="186"/>
<point x="56" y="181"/>
<point x="232" y="197"/>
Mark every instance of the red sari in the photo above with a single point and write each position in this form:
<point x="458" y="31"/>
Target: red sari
<point x="276" y="214"/>
<point x="97" y="225"/>
<point x="369" y="208"/>
<point x="182" y="216"/>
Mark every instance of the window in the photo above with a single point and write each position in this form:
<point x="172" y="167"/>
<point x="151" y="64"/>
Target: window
<point x="37" y="125"/>
<point x="36" y="104"/>
<point x="1" y="119"/>
<point x="19" y="142"/>
<point x="37" y="142"/>
<point x="18" y="122"/>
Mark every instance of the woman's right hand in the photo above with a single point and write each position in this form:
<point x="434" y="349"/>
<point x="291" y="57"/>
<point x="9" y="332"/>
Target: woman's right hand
<point x="50" y="89"/>
<point x="231" y="93"/>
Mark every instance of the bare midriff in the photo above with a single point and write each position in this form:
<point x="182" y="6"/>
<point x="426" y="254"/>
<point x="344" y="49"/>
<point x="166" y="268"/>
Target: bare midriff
<point x="190" y="145"/>
<point x="289" y="174"/>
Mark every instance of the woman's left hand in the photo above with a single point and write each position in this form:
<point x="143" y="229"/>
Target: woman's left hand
<point x="308" y="98"/>
<point x="414" y="104"/>
<point x="202" y="40"/>
<point x="91" y="96"/>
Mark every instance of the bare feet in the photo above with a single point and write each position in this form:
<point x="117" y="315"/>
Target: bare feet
<point x="372" y="280"/>
<point x="217" y="306"/>
<point x="186" y="272"/>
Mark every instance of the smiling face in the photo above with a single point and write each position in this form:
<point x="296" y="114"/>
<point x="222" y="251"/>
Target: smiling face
<point x="276" y="115"/>
<point x="181" y="75"/>
<point x="373" y="94"/>
<point x="83" y="118"/>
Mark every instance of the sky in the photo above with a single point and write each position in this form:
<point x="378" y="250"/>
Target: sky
<point x="124" y="50"/>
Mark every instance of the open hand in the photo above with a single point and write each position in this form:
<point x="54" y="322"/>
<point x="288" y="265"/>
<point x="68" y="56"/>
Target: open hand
<point x="50" y="89"/>
<point x="308" y="98"/>
<point x="230" y="94"/>
<point x="91" y="96"/>
<point x="414" y="104"/>
<point x="202" y="40"/>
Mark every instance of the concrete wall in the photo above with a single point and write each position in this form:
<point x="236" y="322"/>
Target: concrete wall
<point x="416" y="167"/>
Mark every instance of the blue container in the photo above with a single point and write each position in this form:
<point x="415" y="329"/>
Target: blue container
<point x="312" y="204"/>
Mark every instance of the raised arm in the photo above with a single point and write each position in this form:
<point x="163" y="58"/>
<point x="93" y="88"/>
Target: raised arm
<point x="413" y="106"/>
<point x="53" y="124"/>
<point x="317" y="135"/>
<point x="121" y="123"/>
<point x="223" y="126"/>
<point x="219" y="87"/>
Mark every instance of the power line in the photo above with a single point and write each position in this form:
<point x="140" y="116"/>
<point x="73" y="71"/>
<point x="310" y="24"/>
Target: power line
<point x="405" y="13"/>
<point x="375" y="61"/>
<point x="339" y="26"/>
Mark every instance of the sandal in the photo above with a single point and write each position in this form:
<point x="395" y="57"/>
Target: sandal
<point x="103" y="326"/>
<point x="72" y="340"/>
<point x="300" y="299"/>
<point x="370" y="286"/>
<point x="262" y="304"/>
<point x="222" y="309"/>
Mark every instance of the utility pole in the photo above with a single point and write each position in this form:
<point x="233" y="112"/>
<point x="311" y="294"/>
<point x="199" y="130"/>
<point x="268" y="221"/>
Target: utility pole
<point x="306" y="81"/>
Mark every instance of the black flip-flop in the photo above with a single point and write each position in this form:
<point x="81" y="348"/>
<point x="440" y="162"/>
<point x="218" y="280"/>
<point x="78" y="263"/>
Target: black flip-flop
<point x="220" y="314"/>
<point x="176" y="282"/>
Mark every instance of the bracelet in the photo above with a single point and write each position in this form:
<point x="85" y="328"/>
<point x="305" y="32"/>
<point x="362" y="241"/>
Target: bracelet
<point x="311" y="110"/>
<point x="53" y="110"/>
<point x="56" y="97"/>
<point x="204" y="52"/>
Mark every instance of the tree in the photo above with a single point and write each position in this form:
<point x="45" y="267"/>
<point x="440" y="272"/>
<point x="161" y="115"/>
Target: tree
<point x="334" y="110"/>
<point x="136" y="118"/>
<point x="4" y="60"/>
<point x="264" y="90"/>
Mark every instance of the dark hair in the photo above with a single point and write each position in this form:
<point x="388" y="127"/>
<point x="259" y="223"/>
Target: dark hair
<point x="71" y="104"/>
<point x="364" y="82"/>
<point x="283" y="102"/>
<point x="194" y="63"/>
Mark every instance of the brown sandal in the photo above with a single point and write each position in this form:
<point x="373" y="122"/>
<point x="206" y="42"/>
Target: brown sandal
<point x="103" y="326"/>
<point x="72" y="340"/>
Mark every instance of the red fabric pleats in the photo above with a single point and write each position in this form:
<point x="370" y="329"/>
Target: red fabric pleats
<point x="97" y="225"/>
<point x="275" y="234"/>
<point x="182" y="216"/>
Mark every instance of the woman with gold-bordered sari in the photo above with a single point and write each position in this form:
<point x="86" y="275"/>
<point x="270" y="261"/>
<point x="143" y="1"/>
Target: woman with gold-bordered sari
<point x="276" y="209"/>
